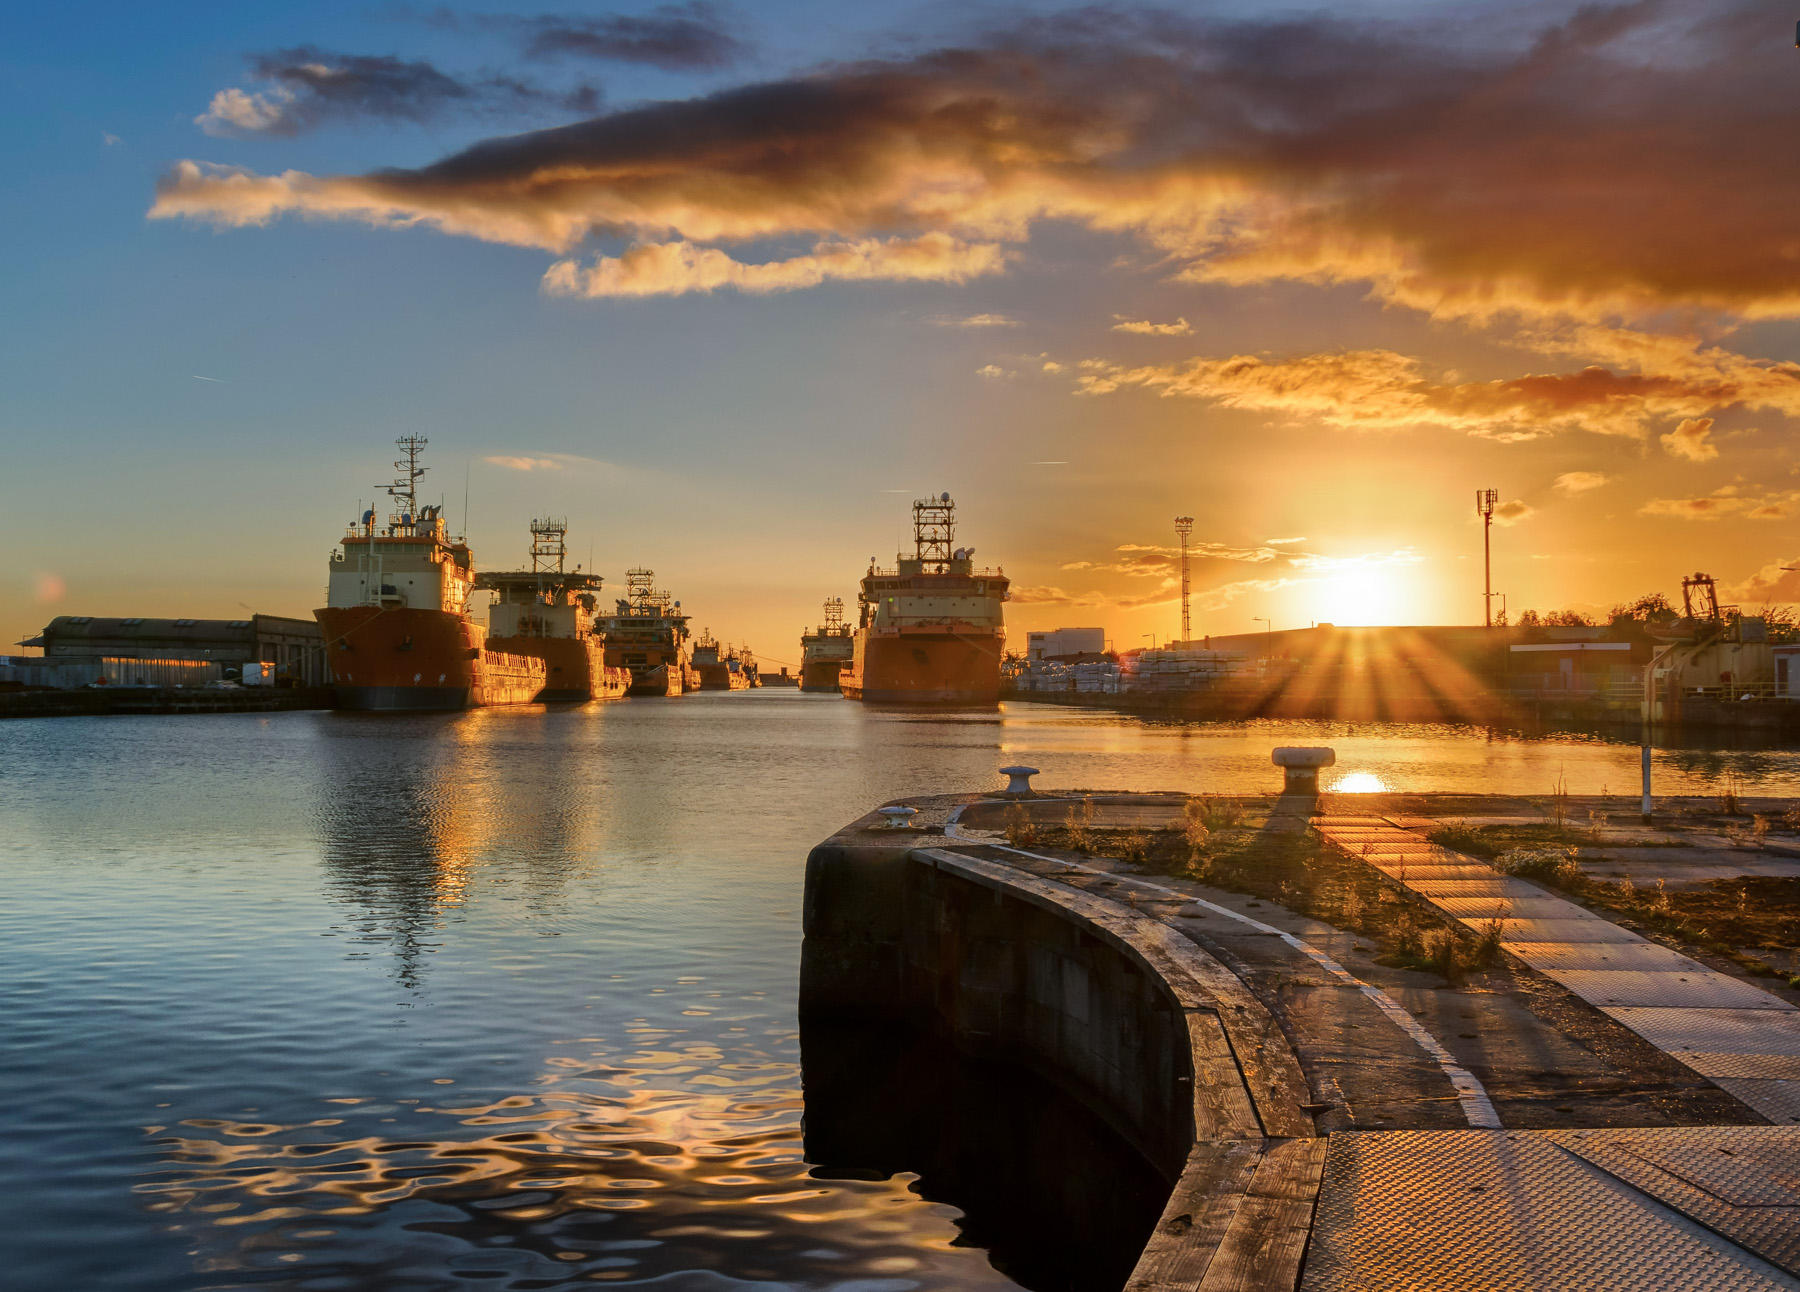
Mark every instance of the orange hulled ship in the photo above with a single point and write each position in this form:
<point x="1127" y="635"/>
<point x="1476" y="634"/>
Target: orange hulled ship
<point x="648" y="636"/>
<point x="721" y="668"/>
<point x="826" y="650"/>
<point x="547" y="613"/>
<point x="396" y="621"/>
<point x="930" y="630"/>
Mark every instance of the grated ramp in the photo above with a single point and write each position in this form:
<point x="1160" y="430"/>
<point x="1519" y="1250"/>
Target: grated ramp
<point x="1554" y="1211"/>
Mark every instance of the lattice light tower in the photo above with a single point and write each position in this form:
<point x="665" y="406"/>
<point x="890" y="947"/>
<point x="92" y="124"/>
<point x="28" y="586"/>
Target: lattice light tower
<point x="1184" y="525"/>
<point x="934" y="528"/>
<point x="548" y="549"/>
<point x="1484" y="507"/>
<point x="640" y="587"/>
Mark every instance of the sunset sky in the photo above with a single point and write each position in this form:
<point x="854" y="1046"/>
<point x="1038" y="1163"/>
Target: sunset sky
<point x="729" y="285"/>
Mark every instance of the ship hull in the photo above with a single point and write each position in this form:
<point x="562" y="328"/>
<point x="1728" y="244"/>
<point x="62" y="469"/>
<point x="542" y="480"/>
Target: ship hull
<point x="948" y="668"/>
<point x="821" y="674"/>
<point x="575" y="668"/>
<point x="718" y="677"/>
<point x="658" y="679"/>
<point x="406" y="660"/>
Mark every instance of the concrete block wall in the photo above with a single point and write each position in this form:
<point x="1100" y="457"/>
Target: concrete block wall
<point x="891" y="937"/>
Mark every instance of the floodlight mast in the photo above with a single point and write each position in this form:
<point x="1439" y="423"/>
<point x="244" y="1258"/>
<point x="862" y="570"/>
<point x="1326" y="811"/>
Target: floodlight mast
<point x="1184" y="525"/>
<point x="1484" y="507"/>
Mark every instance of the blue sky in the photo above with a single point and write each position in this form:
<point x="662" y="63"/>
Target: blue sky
<point x="194" y="406"/>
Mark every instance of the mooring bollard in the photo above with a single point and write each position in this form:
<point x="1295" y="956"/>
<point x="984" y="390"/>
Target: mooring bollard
<point x="1018" y="780"/>
<point x="1302" y="764"/>
<point x="899" y="818"/>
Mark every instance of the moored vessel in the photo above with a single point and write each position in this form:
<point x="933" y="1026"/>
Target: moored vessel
<point x="397" y="628"/>
<point x="648" y="637"/>
<point x="826" y="649"/>
<point x="721" y="668"/>
<point x="930" y="630"/>
<point x="547" y="613"/>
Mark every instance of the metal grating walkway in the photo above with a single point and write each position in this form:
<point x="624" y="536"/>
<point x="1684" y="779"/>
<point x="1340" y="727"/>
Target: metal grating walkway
<point x="1705" y="1208"/>
<point x="1742" y="1039"/>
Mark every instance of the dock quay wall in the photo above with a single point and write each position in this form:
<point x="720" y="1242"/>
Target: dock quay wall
<point x="161" y="699"/>
<point x="911" y="930"/>
<point x="913" y="939"/>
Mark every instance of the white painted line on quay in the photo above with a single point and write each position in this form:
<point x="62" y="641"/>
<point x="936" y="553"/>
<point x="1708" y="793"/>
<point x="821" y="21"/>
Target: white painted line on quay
<point x="1477" y="1108"/>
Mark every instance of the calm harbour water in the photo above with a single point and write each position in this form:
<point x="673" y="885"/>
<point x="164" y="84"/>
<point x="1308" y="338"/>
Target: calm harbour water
<point x="506" y="999"/>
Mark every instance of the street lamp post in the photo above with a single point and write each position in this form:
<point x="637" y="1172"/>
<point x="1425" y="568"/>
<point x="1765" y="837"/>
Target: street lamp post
<point x="1268" y="633"/>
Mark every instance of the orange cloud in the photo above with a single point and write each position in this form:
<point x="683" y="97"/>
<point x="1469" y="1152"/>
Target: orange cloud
<point x="1382" y="390"/>
<point x="1692" y="440"/>
<point x="1145" y="327"/>
<point x="1579" y="482"/>
<point x="676" y="268"/>
<point x="1465" y="178"/>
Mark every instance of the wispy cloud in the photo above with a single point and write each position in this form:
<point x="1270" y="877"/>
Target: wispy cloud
<point x="1580" y="482"/>
<point x="300" y="89"/>
<point x="976" y="321"/>
<point x="523" y="463"/>
<point x="678" y="268"/>
<point x="674" y="37"/>
<point x="1145" y="327"/>
<point x="1383" y="390"/>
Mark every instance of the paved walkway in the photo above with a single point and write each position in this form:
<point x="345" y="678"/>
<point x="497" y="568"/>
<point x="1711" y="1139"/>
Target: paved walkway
<point x="1740" y="1038"/>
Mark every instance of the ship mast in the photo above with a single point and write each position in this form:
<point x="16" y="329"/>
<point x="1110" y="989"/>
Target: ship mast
<point x="834" y="614"/>
<point x="548" y="549"/>
<point x="934" y="528"/>
<point x="406" y="482"/>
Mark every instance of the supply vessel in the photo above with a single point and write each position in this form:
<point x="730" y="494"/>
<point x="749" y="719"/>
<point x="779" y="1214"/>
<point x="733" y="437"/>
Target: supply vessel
<point x="826" y="649"/>
<point x="930" y="630"/>
<point x="721" y="668"/>
<point x="648" y="637"/>
<point x="547" y="613"/>
<point x="396" y="623"/>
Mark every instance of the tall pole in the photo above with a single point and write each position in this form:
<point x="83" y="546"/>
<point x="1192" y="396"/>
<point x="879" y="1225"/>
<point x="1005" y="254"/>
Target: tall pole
<point x="1484" y="507"/>
<point x="1184" y="525"/>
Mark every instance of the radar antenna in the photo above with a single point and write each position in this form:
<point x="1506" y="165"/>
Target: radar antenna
<point x="407" y="472"/>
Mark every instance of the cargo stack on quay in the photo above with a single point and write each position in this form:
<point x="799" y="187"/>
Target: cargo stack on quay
<point x="1549" y="1081"/>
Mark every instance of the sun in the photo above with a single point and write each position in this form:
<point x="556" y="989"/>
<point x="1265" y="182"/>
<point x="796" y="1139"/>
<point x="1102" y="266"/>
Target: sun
<point x="1359" y="591"/>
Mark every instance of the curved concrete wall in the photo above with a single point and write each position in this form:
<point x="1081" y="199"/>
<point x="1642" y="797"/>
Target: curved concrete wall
<point x="1154" y="1034"/>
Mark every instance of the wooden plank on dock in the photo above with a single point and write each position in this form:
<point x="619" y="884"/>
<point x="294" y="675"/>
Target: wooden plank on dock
<point x="1196" y="1217"/>
<point x="1263" y="1245"/>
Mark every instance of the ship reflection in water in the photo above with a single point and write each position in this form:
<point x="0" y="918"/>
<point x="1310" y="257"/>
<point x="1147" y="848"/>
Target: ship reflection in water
<point x="507" y="996"/>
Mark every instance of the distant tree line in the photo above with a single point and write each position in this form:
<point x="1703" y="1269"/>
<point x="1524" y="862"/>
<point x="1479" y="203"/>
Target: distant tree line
<point x="1654" y="608"/>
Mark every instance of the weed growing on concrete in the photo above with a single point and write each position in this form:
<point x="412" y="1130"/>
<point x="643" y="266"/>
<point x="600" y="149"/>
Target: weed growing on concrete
<point x="1559" y="801"/>
<point x="1759" y="827"/>
<point x="1457" y="836"/>
<point x="1195" y="833"/>
<point x="1134" y="847"/>
<point x="1081" y="826"/>
<point x="1597" y="821"/>
<point x="1488" y="939"/>
<point x="1730" y="793"/>
<point x="1020" y="832"/>
<point x="1659" y="900"/>
<point x="1443" y="953"/>
<point x="1547" y="865"/>
<point x="1218" y="813"/>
